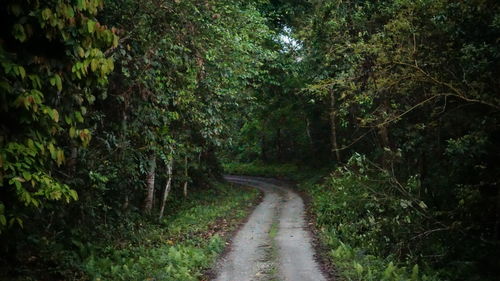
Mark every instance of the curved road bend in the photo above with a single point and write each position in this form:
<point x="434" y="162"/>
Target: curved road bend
<point x="274" y="244"/>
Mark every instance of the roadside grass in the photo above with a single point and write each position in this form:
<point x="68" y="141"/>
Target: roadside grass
<point x="281" y="171"/>
<point x="352" y="262"/>
<point x="259" y="169"/>
<point x="180" y="247"/>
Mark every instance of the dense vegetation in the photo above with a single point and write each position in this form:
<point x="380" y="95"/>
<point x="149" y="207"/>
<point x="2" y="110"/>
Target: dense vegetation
<point x="399" y="102"/>
<point x="114" y="114"/>
<point x="106" y="106"/>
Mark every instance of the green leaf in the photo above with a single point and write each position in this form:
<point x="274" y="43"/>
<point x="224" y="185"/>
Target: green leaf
<point x="26" y="175"/>
<point x="55" y="115"/>
<point x="22" y="72"/>
<point x="60" y="157"/>
<point x="93" y="65"/>
<point x="414" y="273"/>
<point x="80" y="51"/>
<point x="18" y="32"/>
<point x="69" y="12"/>
<point x="46" y="13"/>
<point x="90" y="26"/>
<point x="73" y="194"/>
<point x="52" y="151"/>
<point x="58" y="82"/>
<point x="78" y="116"/>
<point x="422" y="205"/>
<point x="20" y="222"/>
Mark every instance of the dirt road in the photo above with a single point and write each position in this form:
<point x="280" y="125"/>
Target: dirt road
<point x="274" y="244"/>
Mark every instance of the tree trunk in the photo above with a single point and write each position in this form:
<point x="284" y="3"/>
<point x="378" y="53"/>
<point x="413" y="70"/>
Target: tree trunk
<point x="167" y="186"/>
<point x="185" y="188"/>
<point x="383" y="132"/>
<point x="121" y="154"/>
<point x="150" y="184"/>
<point x="333" y="125"/>
<point x="308" y="133"/>
<point x="71" y="164"/>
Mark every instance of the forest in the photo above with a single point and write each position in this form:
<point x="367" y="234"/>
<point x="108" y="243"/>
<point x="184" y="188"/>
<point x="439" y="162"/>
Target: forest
<point x="119" y="118"/>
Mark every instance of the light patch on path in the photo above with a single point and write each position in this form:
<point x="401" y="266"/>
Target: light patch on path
<point x="251" y="257"/>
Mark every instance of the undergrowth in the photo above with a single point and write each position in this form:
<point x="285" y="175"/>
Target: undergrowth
<point x="361" y="234"/>
<point x="288" y="171"/>
<point x="258" y="169"/>
<point x="180" y="247"/>
<point x="177" y="249"/>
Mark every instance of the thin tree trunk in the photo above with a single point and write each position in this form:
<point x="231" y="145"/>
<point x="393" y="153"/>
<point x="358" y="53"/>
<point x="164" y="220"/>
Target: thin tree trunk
<point x="185" y="188"/>
<point x="167" y="186"/>
<point x="71" y="163"/>
<point x="308" y="132"/>
<point x="150" y="183"/>
<point x="121" y="155"/>
<point x="333" y="125"/>
<point x="383" y="132"/>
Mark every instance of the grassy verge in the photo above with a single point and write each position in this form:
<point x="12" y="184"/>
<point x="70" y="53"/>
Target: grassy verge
<point x="181" y="247"/>
<point x="259" y="169"/>
<point x="344" y="228"/>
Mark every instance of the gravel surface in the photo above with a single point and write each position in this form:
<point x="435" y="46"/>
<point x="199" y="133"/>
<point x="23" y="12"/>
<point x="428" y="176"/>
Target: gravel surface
<point x="275" y="243"/>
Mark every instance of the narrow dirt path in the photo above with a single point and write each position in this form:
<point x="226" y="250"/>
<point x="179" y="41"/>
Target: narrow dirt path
<point x="274" y="244"/>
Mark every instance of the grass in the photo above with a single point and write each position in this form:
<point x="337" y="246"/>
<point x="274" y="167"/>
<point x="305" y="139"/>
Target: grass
<point x="258" y="169"/>
<point x="181" y="247"/>
<point x="284" y="171"/>
<point x="272" y="255"/>
<point x="273" y="231"/>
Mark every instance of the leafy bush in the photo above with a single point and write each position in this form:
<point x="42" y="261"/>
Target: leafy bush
<point x="380" y="228"/>
<point x="365" y="206"/>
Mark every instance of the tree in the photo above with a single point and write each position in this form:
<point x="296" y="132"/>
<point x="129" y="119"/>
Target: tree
<point x="52" y="65"/>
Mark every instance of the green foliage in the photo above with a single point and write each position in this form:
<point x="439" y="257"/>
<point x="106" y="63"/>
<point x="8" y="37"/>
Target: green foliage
<point x="99" y="98"/>
<point x="135" y="247"/>
<point x="379" y="228"/>
<point x="48" y="54"/>
<point x="354" y="264"/>
<point x="365" y="206"/>
<point x="373" y="226"/>
<point x="89" y="118"/>
<point x="176" y="249"/>
<point x="413" y="86"/>
<point x="163" y="263"/>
